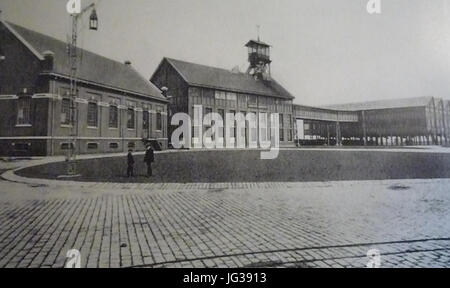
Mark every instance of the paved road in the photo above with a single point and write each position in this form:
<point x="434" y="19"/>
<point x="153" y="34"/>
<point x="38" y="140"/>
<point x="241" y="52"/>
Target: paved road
<point x="234" y="225"/>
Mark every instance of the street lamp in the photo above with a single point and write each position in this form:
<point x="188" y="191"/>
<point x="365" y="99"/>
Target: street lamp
<point x="93" y="25"/>
<point x="93" y="20"/>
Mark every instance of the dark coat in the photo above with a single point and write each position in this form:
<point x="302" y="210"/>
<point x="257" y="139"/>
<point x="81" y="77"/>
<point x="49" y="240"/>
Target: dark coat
<point x="130" y="159"/>
<point x="149" y="156"/>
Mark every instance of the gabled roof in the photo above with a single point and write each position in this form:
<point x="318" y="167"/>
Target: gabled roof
<point x="383" y="104"/>
<point x="256" y="42"/>
<point x="92" y="68"/>
<point x="222" y="79"/>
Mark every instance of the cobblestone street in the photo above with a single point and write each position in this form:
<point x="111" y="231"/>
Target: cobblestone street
<point x="330" y="224"/>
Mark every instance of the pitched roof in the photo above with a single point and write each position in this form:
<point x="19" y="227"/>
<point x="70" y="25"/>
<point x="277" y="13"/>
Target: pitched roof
<point x="255" y="42"/>
<point x="92" y="67"/>
<point x="222" y="79"/>
<point x="383" y="104"/>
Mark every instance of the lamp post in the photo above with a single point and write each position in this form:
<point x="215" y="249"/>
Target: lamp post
<point x="73" y="55"/>
<point x="169" y="112"/>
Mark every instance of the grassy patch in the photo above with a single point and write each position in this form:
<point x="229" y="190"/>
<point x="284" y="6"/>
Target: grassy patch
<point x="246" y="166"/>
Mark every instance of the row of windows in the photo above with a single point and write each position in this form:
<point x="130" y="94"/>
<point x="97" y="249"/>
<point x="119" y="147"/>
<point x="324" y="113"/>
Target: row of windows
<point x="231" y="99"/>
<point x="265" y="51"/>
<point x="94" y="145"/>
<point x="92" y="116"/>
<point x="233" y="126"/>
<point x="67" y="115"/>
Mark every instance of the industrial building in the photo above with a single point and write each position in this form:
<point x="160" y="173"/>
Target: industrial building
<point x="397" y="122"/>
<point x="115" y="107"/>
<point x="118" y="109"/>
<point x="224" y="91"/>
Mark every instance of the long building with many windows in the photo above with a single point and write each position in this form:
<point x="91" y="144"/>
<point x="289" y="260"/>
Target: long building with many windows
<point x="115" y="107"/>
<point x="216" y="90"/>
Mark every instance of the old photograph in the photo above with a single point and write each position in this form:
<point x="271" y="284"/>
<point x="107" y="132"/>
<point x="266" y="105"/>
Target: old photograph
<point x="224" y="134"/>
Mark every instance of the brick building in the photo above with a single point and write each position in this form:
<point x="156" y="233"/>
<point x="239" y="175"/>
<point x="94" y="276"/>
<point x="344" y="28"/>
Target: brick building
<point x="215" y="90"/>
<point x="116" y="108"/>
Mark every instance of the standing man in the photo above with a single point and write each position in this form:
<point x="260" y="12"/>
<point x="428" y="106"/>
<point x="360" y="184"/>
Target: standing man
<point x="149" y="159"/>
<point x="130" y="162"/>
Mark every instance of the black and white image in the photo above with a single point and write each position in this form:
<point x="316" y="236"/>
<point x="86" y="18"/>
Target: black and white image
<point x="224" y="134"/>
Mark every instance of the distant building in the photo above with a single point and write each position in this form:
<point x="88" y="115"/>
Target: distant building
<point x="410" y="121"/>
<point x="116" y="107"/>
<point x="229" y="91"/>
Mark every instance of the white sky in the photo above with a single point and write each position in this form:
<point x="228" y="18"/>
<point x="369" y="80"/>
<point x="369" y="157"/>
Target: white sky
<point x="324" y="51"/>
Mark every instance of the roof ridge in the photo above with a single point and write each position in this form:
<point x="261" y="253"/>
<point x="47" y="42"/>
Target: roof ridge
<point x="380" y="100"/>
<point x="112" y="73"/>
<point x="204" y="65"/>
<point x="224" y="79"/>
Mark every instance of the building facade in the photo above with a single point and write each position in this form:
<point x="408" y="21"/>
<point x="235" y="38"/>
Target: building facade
<point x="115" y="107"/>
<point x="214" y="90"/>
<point x="411" y="121"/>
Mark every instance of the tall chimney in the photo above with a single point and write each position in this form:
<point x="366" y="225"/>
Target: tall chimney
<point x="48" y="60"/>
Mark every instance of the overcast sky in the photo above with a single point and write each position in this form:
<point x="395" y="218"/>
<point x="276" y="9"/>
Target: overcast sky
<point x="324" y="51"/>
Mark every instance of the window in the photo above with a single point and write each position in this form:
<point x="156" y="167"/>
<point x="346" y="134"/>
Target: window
<point x="92" y="120"/>
<point x="130" y="118"/>
<point x="221" y="112"/>
<point x="232" y="99"/>
<point x="281" y="127"/>
<point x="221" y="98"/>
<point x="233" y="125"/>
<point x="114" y="145"/>
<point x="263" y="128"/>
<point x="66" y="118"/>
<point x="92" y="146"/>
<point x="24" y="111"/>
<point x="66" y="146"/>
<point x="290" y="129"/>
<point x="145" y="120"/>
<point x="21" y="147"/>
<point x="113" y="116"/>
<point x="252" y="101"/>
<point x="220" y="95"/>
<point x="159" y="120"/>
<point x="198" y="122"/>
<point x="208" y="119"/>
<point x="242" y="101"/>
<point x="208" y="97"/>
<point x="253" y="126"/>
<point x="262" y="102"/>
<point x="131" y="145"/>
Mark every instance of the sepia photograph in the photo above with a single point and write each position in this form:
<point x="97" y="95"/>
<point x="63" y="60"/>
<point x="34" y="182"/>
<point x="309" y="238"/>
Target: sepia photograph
<point x="240" y="134"/>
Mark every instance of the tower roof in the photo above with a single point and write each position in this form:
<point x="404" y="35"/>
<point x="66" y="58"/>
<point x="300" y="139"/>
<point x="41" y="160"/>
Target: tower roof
<point x="256" y="43"/>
